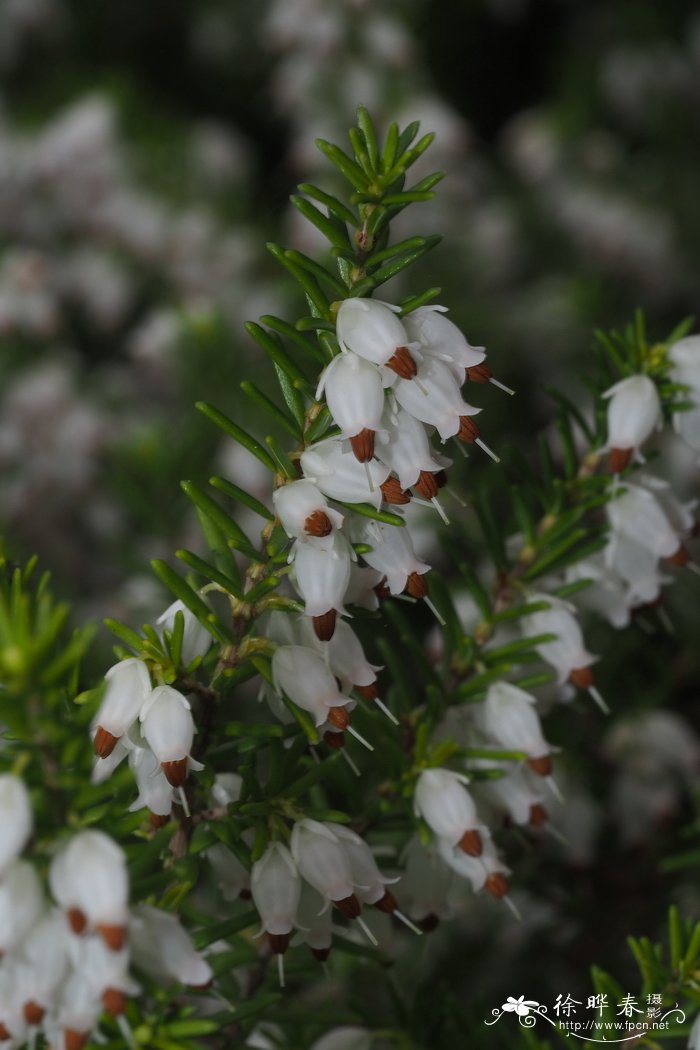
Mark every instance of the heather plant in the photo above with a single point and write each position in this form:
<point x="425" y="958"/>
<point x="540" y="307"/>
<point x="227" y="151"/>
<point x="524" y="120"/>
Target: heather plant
<point x="335" y="742"/>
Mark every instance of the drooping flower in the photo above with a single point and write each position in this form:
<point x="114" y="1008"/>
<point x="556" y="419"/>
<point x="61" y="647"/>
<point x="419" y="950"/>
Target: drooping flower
<point x="635" y="512"/>
<point x="163" y="948"/>
<point x="634" y="412"/>
<point x="371" y="329"/>
<point x="566" y="653"/>
<point x="15" y="818"/>
<point x="435" y="398"/>
<point x="404" y="447"/>
<point x="196" y="640"/>
<point x="393" y="555"/>
<point x="322" y="573"/>
<point x="355" y="398"/>
<point x="509" y="718"/>
<point x="302" y="675"/>
<point x="168" y="726"/>
<point x="276" y="887"/>
<point x="322" y="861"/>
<point x="443" y="801"/>
<point x="303" y="510"/>
<point x="21" y="904"/>
<point x="339" y="475"/>
<point x="439" y="337"/>
<point x="128" y="686"/>
<point x="88" y="879"/>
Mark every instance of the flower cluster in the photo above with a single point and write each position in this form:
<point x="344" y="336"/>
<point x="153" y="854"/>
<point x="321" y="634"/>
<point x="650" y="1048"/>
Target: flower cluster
<point x="153" y="727"/>
<point x="66" y="963"/>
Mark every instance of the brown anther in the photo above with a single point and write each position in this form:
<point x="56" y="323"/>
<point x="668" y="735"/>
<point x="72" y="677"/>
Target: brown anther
<point x="324" y="625"/>
<point x="279" y="942"/>
<point x="393" y="493"/>
<point x="542" y="765"/>
<point x="402" y="362"/>
<point x="334" y="740"/>
<point x="381" y="590"/>
<point x="428" y="923"/>
<point x="618" y="459"/>
<point x="4" y="1034"/>
<point x="427" y="485"/>
<point x="320" y="953"/>
<point x="77" y="920"/>
<point x="33" y="1012"/>
<point x="416" y="585"/>
<point x="497" y="884"/>
<point x="538" y="815"/>
<point x="104" y="742"/>
<point x="362" y="445"/>
<point x="468" y="430"/>
<point x="245" y="894"/>
<point x="113" y="936"/>
<point x="318" y="524"/>
<point x="338" y="717"/>
<point x="350" y="906"/>
<point x="175" y="772"/>
<point x="387" y="903"/>
<point x="158" y="820"/>
<point x="368" y="692"/>
<point x="581" y="677"/>
<point x="74" y="1040"/>
<point x="479" y="373"/>
<point x="471" y="844"/>
<point x="114" y="1001"/>
<point x="680" y="557"/>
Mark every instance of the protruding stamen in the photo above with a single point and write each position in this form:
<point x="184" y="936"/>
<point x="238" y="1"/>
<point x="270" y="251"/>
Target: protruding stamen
<point x="366" y="930"/>
<point x="125" y="1029"/>
<point x="440" y="511"/>
<point x="427" y="485"/>
<point x="489" y="451"/>
<point x="370" y="479"/>
<point x="348" y="758"/>
<point x="104" y="742"/>
<point x="693" y="567"/>
<point x="501" y="386"/>
<point x="362" y="445"/>
<point x="618" y="459"/>
<point x="382" y="707"/>
<point x="542" y="765"/>
<point x="416" y="585"/>
<point x="496" y="884"/>
<point x="393" y="493"/>
<point x="279" y="942"/>
<point x="402" y="362"/>
<point x="175" y="772"/>
<point x="440" y="619"/>
<point x="280" y="969"/>
<point x="480" y="373"/>
<point x="593" y="691"/>
<point x="470" y="843"/>
<point x="366" y="743"/>
<point x="554" y="788"/>
<point x="666" y="620"/>
<point x="407" y="922"/>
<point x="468" y="430"/>
<point x="511" y="904"/>
<point x="183" y="801"/>
<point x="318" y="524"/>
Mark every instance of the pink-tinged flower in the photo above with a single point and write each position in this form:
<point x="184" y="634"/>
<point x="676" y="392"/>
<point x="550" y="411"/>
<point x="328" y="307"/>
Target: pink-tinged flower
<point x="322" y="573"/>
<point x="448" y="809"/>
<point x="355" y="397"/>
<point x="371" y="329"/>
<point x="339" y="475"/>
<point x="634" y="412"/>
<point x="128" y="686"/>
<point x="276" y="887"/>
<point x="88" y="880"/>
<point x="167" y="725"/>
<point x="303" y="510"/>
<point x="15" y="818"/>
<point x="196" y="640"/>
<point x="302" y="675"/>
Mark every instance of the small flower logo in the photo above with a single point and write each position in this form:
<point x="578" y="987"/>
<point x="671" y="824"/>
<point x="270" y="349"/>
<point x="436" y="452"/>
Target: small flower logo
<point x="520" y="1006"/>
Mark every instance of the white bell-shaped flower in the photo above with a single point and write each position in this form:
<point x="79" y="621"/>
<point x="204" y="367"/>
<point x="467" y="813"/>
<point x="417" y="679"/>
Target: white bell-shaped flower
<point x="339" y="475"/>
<point x="425" y="884"/>
<point x="314" y="923"/>
<point x="347" y="659"/>
<point x="484" y="872"/>
<point x="355" y="397"/>
<point x="162" y="947"/>
<point x="43" y="964"/>
<point x="448" y="809"/>
<point x="362" y="587"/>
<point x="21" y="904"/>
<point x="509" y="718"/>
<point x="566" y="653"/>
<point x="104" y="767"/>
<point x="76" y="1014"/>
<point x="275" y="885"/>
<point x="405" y="448"/>
<point x="232" y="878"/>
<point x="370" y="884"/>
<point x="322" y="573"/>
<point x="515" y="795"/>
<point x="168" y="726"/>
<point x="634" y="412"/>
<point x="303" y="510"/>
<point x="607" y="594"/>
<point x="155" y="791"/>
<point x="128" y="687"/>
<point x="685" y="353"/>
<point x="322" y="861"/>
<point x="372" y="330"/>
<point x="638" y="570"/>
<point x="685" y="368"/>
<point x="434" y="397"/>
<point x="88" y="879"/>
<point x="346" y="1037"/>
<point x="196" y="640"/>
<point x="15" y="818"/>
<point x="302" y="675"/>
<point x="106" y="972"/>
<point x="635" y="512"/>
<point x="393" y="555"/>
<point x="226" y="788"/>
<point x="439" y="337"/>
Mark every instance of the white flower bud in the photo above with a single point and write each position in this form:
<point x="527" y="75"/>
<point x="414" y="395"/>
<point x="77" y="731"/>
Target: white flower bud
<point x="15" y="818"/>
<point x="355" y="397"/>
<point x="567" y="653"/>
<point x="162" y="947"/>
<point x="439" y="337"/>
<point x="434" y="397"/>
<point x="322" y="573"/>
<point x="322" y="861"/>
<point x="89" y="881"/>
<point x="339" y="475"/>
<point x="636" y="513"/>
<point x="302" y="675"/>
<point x="509" y="718"/>
<point x="393" y="556"/>
<point x="21" y="903"/>
<point x="634" y="411"/>
<point x="128" y="686"/>
<point x="167" y="725"/>
<point x="372" y="330"/>
<point x="303" y="510"/>
<point x="196" y="640"/>
<point x="276" y="886"/>
<point x="443" y="802"/>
